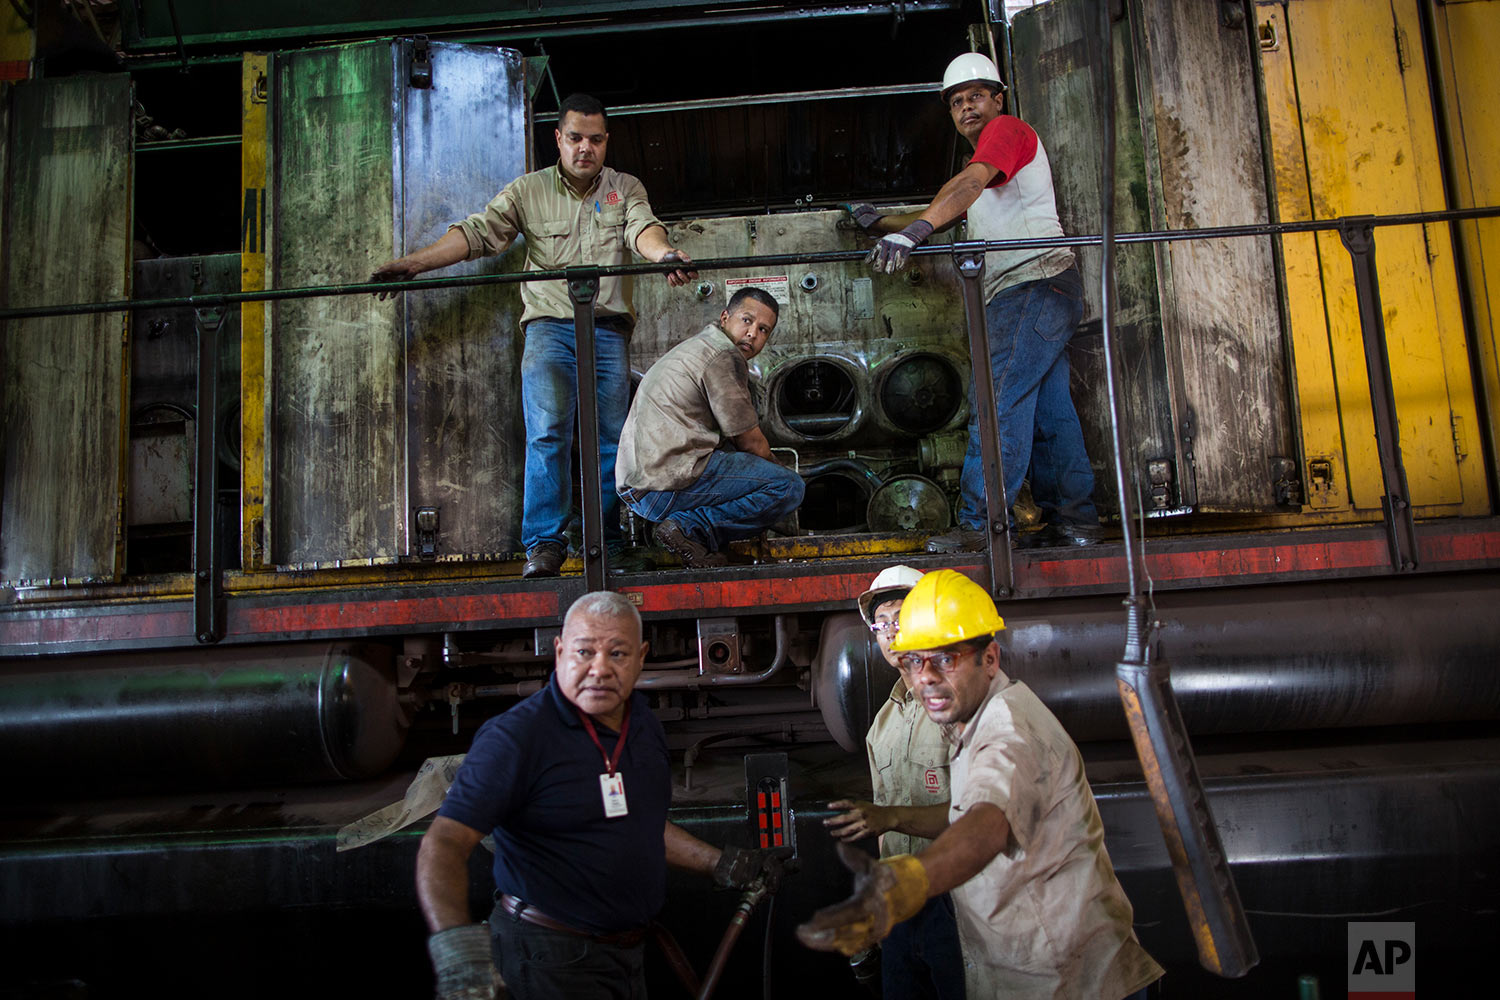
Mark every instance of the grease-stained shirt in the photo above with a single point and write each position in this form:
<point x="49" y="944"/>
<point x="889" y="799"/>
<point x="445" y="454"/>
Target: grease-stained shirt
<point x="908" y="763"/>
<point x="1018" y="204"/>
<point x="563" y="229"/>
<point x="695" y="396"/>
<point x="1046" y="919"/>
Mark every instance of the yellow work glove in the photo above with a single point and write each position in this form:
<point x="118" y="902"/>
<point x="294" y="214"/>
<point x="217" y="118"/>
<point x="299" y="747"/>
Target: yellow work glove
<point x="885" y="893"/>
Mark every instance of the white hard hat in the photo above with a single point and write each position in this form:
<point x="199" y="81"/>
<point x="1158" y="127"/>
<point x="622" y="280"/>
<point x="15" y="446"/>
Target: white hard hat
<point x="889" y="581"/>
<point x="971" y="67"/>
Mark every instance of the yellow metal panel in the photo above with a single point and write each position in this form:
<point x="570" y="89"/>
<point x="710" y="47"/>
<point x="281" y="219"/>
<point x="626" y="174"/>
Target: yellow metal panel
<point x="253" y="97"/>
<point x="1312" y="356"/>
<point x="1369" y="147"/>
<point x="1467" y="38"/>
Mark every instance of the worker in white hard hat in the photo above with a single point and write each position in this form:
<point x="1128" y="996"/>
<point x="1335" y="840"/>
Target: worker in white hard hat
<point x="1041" y="915"/>
<point x="909" y="777"/>
<point x="1033" y="302"/>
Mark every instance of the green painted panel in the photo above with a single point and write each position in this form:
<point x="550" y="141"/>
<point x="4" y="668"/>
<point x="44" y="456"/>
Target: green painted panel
<point x="335" y="363"/>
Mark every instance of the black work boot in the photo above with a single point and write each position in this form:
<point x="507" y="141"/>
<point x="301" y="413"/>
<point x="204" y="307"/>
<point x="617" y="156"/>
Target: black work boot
<point x="544" y="560"/>
<point x="958" y="540"/>
<point x="670" y="536"/>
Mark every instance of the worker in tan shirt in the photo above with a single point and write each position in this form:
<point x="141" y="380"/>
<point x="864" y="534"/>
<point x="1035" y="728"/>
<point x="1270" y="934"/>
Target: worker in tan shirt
<point x="693" y="458"/>
<point x="577" y="212"/>
<point x="1041" y="915"/>
<point x="908" y="775"/>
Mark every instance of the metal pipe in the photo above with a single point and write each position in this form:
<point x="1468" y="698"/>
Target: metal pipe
<point x="747" y="904"/>
<point x="666" y="680"/>
<point x="728" y="263"/>
<point x="1401" y="529"/>
<point x="584" y="291"/>
<point x="970" y="265"/>
<point x="853" y="465"/>
<point x="300" y="712"/>
<point x="756" y="100"/>
<point x="208" y="549"/>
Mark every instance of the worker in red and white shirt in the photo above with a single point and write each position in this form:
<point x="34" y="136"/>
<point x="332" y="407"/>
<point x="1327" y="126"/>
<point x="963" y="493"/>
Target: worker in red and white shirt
<point x="1033" y="303"/>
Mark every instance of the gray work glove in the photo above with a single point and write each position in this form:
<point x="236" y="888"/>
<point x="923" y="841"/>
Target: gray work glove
<point x="737" y="867"/>
<point x="890" y="253"/>
<point x="461" y="958"/>
<point x="864" y="214"/>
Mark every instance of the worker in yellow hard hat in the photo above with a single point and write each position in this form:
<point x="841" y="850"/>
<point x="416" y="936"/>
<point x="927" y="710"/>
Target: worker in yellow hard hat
<point x="909" y="794"/>
<point x="1040" y="912"/>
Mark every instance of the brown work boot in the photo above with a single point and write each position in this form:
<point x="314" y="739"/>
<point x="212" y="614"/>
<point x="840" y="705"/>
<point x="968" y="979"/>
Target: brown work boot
<point x="544" y="560"/>
<point x="670" y="536"/>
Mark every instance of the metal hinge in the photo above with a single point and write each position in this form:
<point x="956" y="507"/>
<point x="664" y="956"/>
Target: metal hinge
<point x="1285" y="486"/>
<point x="421" y="63"/>
<point x="1161" y="474"/>
<point x="426" y="519"/>
<point x="1403" y="59"/>
<point x="1320" y="481"/>
<point x="1458" y="436"/>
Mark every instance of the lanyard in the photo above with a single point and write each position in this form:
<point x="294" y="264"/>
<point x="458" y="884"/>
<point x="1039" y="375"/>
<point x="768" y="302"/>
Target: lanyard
<point x="588" y="724"/>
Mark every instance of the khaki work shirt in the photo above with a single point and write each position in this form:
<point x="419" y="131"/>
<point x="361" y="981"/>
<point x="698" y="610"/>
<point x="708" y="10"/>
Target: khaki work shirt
<point x="694" y="396"/>
<point x="564" y="230"/>
<point x="908" y="763"/>
<point x="1046" y="919"/>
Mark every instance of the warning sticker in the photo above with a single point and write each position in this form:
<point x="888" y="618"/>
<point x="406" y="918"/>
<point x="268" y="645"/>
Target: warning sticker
<point x="778" y="285"/>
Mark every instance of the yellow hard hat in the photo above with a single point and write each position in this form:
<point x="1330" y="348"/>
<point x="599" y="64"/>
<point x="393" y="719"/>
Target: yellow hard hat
<point x="943" y="608"/>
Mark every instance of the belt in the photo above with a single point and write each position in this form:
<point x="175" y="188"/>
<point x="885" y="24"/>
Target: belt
<point x="524" y="911"/>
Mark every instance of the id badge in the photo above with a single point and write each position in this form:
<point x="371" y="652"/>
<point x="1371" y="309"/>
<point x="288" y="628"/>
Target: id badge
<point x="612" y="787"/>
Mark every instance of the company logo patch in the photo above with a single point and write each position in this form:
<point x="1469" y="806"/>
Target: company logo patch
<point x="613" y="198"/>
<point x="1382" y="960"/>
<point x="932" y="781"/>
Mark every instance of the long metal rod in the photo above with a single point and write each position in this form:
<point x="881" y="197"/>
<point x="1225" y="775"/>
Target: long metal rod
<point x="730" y="263"/>
<point x="1401" y="530"/>
<point x="755" y="100"/>
<point x="1220" y="928"/>
<point x="208" y="550"/>
<point x="584" y="290"/>
<point x="970" y="265"/>
<point x="473" y="28"/>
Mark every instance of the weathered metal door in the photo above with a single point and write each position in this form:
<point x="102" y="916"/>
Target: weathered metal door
<point x="1199" y="322"/>
<point x="67" y="238"/>
<point x="376" y="409"/>
<point x="1352" y="133"/>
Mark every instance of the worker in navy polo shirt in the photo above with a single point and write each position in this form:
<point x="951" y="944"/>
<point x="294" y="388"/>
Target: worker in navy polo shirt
<point x="575" y="783"/>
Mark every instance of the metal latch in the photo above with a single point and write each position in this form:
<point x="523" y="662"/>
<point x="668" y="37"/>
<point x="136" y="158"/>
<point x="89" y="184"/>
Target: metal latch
<point x="421" y="63"/>
<point x="427" y="533"/>
<point x="719" y="646"/>
<point x="1160" y="473"/>
<point x="1285" y="486"/>
<point x="1320" y="479"/>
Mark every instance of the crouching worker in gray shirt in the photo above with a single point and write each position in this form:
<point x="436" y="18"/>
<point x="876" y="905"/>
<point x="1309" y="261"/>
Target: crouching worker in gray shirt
<point x="671" y="467"/>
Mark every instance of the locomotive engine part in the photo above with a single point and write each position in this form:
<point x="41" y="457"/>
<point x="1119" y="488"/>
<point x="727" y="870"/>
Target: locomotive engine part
<point x="838" y="494"/>
<point x="921" y="392"/>
<point x="1292" y="657"/>
<point x="297" y="713"/>
<point x="816" y="399"/>
<point x="909" y="503"/>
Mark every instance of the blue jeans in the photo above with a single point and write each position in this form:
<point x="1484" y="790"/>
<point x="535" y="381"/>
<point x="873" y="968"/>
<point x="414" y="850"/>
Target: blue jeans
<point x="1029" y="327"/>
<point x="549" y="402"/>
<point x="921" y="957"/>
<point x="737" y="496"/>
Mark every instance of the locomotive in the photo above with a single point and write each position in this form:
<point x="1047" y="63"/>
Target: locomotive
<point x="258" y="529"/>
